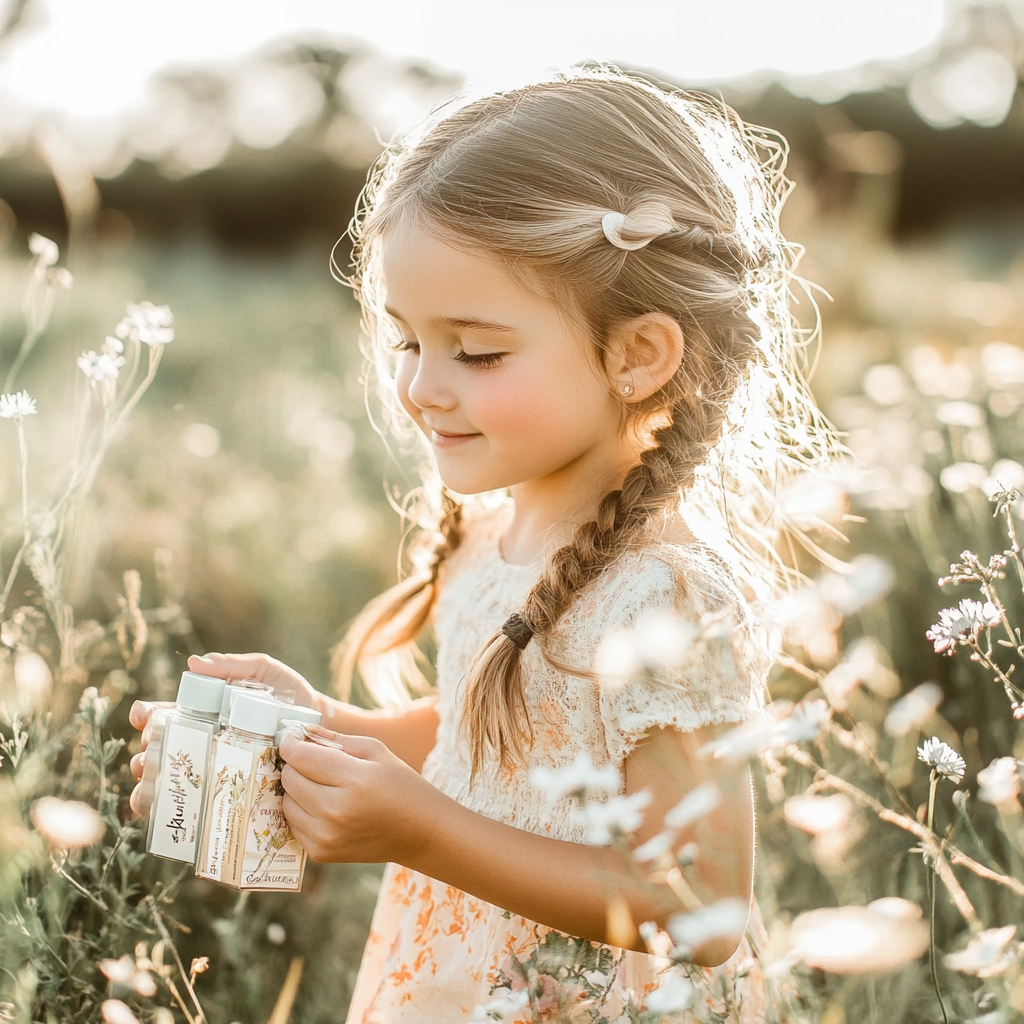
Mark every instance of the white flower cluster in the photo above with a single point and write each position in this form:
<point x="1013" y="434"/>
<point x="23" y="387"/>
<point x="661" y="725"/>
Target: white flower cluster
<point x="698" y="802"/>
<point x="105" y="364"/>
<point x="145" y="322"/>
<point x="577" y="780"/>
<point x="778" y="727"/>
<point x="725" y="919"/>
<point x="961" y="624"/>
<point x="620" y="816"/>
<point x="986" y="955"/>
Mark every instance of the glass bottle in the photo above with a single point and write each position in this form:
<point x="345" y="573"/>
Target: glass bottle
<point x="237" y="753"/>
<point x="174" y="779"/>
<point x="273" y="858"/>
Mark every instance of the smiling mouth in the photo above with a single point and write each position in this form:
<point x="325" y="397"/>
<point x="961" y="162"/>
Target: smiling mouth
<point x="442" y="439"/>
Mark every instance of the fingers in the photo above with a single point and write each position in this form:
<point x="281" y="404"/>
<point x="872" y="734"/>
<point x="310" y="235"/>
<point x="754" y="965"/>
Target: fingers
<point x="303" y="791"/>
<point x="135" y="800"/>
<point x="138" y="764"/>
<point x="302" y="824"/>
<point x="326" y="766"/>
<point x="232" y="666"/>
<point x="366" y="748"/>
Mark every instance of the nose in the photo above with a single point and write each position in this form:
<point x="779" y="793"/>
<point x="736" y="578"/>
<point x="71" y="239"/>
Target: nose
<point x="428" y="383"/>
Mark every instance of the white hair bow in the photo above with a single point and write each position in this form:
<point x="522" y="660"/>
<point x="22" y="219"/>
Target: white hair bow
<point x="637" y="229"/>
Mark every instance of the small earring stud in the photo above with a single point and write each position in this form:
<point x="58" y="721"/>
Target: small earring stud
<point x="626" y="390"/>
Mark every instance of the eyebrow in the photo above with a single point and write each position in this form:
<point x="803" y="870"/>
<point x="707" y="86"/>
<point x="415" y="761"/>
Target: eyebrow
<point x="463" y="323"/>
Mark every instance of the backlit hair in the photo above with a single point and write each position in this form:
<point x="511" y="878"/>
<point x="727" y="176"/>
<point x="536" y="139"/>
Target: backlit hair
<point x="530" y="176"/>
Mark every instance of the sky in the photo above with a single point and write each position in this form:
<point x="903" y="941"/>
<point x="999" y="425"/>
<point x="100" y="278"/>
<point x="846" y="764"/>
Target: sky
<point x="92" y="58"/>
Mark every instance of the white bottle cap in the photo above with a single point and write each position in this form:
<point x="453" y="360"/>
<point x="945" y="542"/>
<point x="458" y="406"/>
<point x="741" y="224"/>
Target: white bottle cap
<point x="251" y="713"/>
<point x="200" y="693"/>
<point x="297" y="713"/>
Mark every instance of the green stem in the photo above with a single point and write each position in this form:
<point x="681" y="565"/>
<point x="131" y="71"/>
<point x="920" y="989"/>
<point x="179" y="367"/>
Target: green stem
<point x="930" y="880"/>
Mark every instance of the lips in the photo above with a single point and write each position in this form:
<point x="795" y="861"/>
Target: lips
<point x="448" y="439"/>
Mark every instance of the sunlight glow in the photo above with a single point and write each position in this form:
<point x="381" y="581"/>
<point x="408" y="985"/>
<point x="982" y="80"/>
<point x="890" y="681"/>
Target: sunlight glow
<point x="94" y="59"/>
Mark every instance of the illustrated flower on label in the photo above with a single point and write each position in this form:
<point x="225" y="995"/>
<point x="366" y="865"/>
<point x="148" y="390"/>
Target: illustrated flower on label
<point x="958" y="625"/>
<point x="17" y="406"/>
<point x="942" y="758"/>
<point x="576" y="779"/>
<point x="986" y="955"/>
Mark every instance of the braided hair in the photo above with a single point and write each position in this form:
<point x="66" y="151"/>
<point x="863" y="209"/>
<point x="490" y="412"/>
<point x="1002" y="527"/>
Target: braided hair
<point x="616" y="199"/>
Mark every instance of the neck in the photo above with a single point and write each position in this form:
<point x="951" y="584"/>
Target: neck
<point x="549" y="508"/>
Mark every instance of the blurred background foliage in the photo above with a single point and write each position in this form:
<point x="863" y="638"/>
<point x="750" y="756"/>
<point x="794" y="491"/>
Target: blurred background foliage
<point x="248" y="489"/>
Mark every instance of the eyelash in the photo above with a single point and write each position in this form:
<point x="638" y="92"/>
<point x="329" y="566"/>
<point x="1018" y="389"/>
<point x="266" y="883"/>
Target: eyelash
<point x="484" y="359"/>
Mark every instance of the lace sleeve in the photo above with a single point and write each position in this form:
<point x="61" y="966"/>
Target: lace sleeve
<point x="716" y="677"/>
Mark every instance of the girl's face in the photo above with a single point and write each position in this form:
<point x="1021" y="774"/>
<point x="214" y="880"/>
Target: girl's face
<point x="504" y="387"/>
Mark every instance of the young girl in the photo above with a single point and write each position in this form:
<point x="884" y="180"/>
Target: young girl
<point x="577" y="292"/>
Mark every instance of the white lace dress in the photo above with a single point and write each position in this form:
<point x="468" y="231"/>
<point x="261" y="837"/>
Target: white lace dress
<point x="435" y="953"/>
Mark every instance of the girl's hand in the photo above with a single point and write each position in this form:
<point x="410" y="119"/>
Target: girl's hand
<point x="261" y="667"/>
<point x="139" y="716"/>
<point x="358" y="805"/>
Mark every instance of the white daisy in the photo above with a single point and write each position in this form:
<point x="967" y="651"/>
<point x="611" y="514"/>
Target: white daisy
<point x="17" y="406"/>
<point x="955" y="625"/>
<point x="942" y="758"/>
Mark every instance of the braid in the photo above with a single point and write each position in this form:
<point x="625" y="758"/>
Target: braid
<point x="623" y="522"/>
<point x="390" y="624"/>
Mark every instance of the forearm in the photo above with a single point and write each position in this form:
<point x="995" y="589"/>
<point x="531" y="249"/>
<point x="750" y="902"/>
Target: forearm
<point x="409" y="733"/>
<point x="563" y="885"/>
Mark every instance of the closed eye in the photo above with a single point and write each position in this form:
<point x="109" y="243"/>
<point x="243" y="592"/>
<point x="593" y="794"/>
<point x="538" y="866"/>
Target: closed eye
<point x="483" y="359"/>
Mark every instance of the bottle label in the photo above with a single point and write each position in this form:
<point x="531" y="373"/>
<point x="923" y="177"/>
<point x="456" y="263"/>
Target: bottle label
<point x="273" y="857"/>
<point x="230" y="772"/>
<point x="180" y="785"/>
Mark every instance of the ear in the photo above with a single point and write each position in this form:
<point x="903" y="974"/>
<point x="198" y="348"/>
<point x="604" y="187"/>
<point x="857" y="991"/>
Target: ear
<point x="643" y="355"/>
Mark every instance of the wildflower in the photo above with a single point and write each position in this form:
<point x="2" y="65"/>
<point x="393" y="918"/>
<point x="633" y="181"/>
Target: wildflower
<point x="673" y="994"/>
<point x="724" y="919"/>
<point x="147" y="323"/>
<point x="116" y="1012"/>
<point x="961" y="477"/>
<point x="505" y="1002"/>
<point x="874" y="939"/>
<point x="44" y="248"/>
<point x="67" y="824"/>
<point x="17" y="406"/>
<point x="986" y="954"/>
<point x="960" y="414"/>
<point x="805" y="723"/>
<point x="100" y="366"/>
<point x="657" y="642"/>
<point x="780" y="726"/>
<point x="575" y="780"/>
<point x="276" y="933"/>
<point x="870" y="577"/>
<point x="942" y="759"/>
<point x="911" y="711"/>
<point x="698" y="802"/>
<point x="200" y="965"/>
<point x="999" y="783"/>
<point x="112" y="345"/>
<point x="32" y="675"/>
<point x="128" y="974"/>
<point x="818" y="814"/>
<point x="621" y="815"/>
<point x="956" y="625"/>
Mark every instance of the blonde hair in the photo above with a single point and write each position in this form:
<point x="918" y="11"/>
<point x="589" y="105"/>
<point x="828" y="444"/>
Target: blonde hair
<point x="530" y="175"/>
